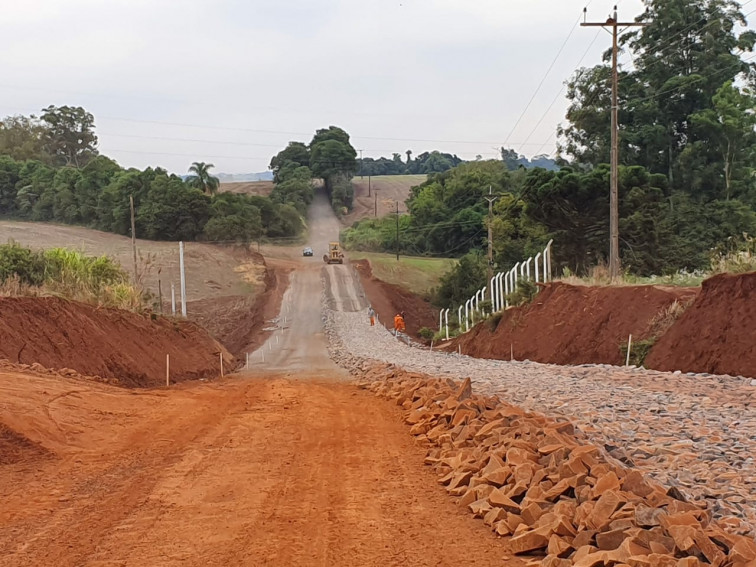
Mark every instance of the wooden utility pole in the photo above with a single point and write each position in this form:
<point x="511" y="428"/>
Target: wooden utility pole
<point x="614" y="24"/>
<point x="397" y="231"/>
<point x="490" y="198"/>
<point x="133" y="238"/>
<point x="375" y="209"/>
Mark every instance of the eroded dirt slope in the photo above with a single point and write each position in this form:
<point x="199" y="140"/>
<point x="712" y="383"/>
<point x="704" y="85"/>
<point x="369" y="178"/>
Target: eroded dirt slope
<point x="716" y="334"/>
<point x="109" y="343"/>
<point x="262" y="471"/>
<point x="568" y="324"/>
<point x="388" y="299"/>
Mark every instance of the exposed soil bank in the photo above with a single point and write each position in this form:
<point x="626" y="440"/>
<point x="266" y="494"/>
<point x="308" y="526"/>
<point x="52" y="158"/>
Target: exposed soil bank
<point x="568" y="324"/>
<point x="716" y="333"/>
<point x="237" y="321"/>
<point x="109" y="343"/>
<point x="389" y="299"/>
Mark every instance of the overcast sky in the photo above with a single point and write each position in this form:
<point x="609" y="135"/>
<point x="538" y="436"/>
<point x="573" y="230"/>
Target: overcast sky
<point x="232" y="81"/>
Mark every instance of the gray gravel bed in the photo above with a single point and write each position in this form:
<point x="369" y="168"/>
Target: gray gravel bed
<point x="690" y="431"/>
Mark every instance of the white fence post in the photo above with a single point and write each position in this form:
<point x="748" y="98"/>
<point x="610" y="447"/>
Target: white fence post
<point x="506" y="290"/>
<point x="527" y="267"/>
<point x="446" y="321"/>
<point x="514" y="276"/>
<point x="467" y="317"/>
<point x="494" y="293"/>
<point x="183" y="279"/>
<point x="441" y="321"/>
<point x="459" y="318"/>
<point x="537" y="259"/>
<point x="548" y="265"/>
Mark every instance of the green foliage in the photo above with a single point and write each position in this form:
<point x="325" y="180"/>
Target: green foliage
<point x="736" y="254"/>
<point x="462" y="281"/>
<point x="523" y="294"/>
<point x="681" y="116"/>
<point x="68" y="135"/>
<point x="200" y="178"/>
<point x="68" y="273"/>
<point x="295" y="155"/>
<point x="22" y="263"/>
<point x="638" y="351"/>
<point x="172" y="211"/>
<point x="426" y="333"/>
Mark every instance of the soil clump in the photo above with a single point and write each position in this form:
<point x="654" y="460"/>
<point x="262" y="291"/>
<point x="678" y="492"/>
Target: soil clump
<point x="107" y="343"/>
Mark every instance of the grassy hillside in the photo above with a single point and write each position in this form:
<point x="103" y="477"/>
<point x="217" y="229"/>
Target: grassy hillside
<point x="389" y="188"/>
<point x="418" y="275"/>
<point x="211" y="271"/>
<point x="262" y="188"/>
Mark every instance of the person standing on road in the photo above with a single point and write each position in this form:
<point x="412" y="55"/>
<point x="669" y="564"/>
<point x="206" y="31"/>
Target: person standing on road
<point x="371" y="314"/>
<point x="399" y="323"/>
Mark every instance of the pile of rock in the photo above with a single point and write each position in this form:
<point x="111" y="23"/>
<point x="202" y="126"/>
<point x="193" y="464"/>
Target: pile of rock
<point x="533" y="480"/>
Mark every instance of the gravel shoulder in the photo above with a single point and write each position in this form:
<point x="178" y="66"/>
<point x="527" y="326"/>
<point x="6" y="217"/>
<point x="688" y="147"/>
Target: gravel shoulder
<point x="693" y="432"/>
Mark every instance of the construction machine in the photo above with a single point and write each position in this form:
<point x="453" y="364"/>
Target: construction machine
<point x="335" y="255"/>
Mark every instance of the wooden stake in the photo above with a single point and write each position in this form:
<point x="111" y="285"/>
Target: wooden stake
<point x="167" y="370"/>
<point x="511" y="352"/>
<point x="629" y="346"/>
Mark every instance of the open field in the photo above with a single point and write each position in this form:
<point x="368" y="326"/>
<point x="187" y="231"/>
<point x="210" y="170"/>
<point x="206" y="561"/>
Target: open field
<point x="417" y="274"/>
<point x="388" y="188"/>
<point x="211" y="270"/>
<point x="262" y="188"/>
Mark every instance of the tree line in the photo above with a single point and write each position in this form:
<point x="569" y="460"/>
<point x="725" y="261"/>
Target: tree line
<point x="329" y="156"/>
<point x="687" y="180"/>
<point x="51" y="170"/>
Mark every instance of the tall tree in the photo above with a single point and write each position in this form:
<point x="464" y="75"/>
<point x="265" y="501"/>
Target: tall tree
<point x="69" y="135"/>
<point x="202" y="179"/>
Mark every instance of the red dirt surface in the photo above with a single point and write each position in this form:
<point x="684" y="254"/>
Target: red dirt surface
<point x="265" y="471"/>
<point x="237" y="321"/>
<point x="109" y="343"/>
<point x="716" y="333"/>
<point x="388" y="299"/>
<point x="568" y="324"/>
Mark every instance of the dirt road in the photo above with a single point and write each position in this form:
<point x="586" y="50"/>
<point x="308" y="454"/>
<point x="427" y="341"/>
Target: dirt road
<point x="297" y="342"/>
<point x="286" y="465"/>
<point x="266" y="471"/>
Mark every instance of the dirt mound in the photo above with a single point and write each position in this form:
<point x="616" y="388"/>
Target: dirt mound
<point x="15" y="448"/>
<point x="716" y="333"/>
<point x="109" y="343"/>
<point x="237" y="321"/>
<point x="388" y="299"/>
<point x="568" y="324"/>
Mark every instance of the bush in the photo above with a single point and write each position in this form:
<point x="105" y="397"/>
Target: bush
<point x="426" y="333"/>
<point x="22" y="264"/>
<point x="525" y="292"/>
<point x="493" y="321"/>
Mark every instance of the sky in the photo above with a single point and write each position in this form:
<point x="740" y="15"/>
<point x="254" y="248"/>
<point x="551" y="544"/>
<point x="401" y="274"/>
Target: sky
<point x="232" y="81"/>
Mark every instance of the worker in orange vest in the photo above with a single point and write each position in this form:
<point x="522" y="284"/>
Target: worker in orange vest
<point x="371" y="314"/>
<point x="399" y="322"/>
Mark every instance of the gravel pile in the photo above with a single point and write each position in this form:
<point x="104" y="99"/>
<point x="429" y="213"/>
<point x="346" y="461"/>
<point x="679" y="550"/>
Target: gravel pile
<point x="693" y="432"/>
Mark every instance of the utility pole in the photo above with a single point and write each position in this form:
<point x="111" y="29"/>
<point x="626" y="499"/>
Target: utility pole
<point x="614" y="24"/>
<point x="490" y="198"/>
<point x="133" y="238"/>
<point x="361" y="176"/>
<point x="368" y="185"/>
<point x="397" y="231"/>
<point x="375" y="209"/>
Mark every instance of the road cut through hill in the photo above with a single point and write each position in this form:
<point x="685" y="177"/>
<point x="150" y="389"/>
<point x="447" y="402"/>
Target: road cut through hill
<point x="265" y="471"/>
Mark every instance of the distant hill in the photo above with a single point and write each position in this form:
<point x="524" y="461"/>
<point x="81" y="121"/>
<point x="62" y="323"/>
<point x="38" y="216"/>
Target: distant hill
<point x="244" y="177"/>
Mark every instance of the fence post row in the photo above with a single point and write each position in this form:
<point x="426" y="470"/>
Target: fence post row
<point x="541" y="273"/>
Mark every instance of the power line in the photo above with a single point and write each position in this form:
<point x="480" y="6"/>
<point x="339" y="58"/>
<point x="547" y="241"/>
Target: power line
<point x="543" y="79"/>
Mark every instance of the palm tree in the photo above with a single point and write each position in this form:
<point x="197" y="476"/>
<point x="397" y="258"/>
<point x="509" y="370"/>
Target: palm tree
<point x="201" y="178"/>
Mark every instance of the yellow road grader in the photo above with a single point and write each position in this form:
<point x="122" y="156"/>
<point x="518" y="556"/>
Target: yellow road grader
<point x="335" y="255"/>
